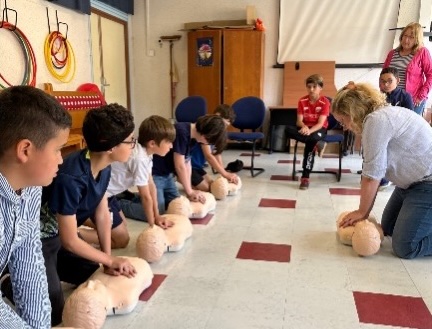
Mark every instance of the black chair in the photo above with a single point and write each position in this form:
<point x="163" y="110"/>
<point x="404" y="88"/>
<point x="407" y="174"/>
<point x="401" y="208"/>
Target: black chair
<point x="190" y="109"/>
<point x="250" y="113"/>
<point x="333" y="125"/>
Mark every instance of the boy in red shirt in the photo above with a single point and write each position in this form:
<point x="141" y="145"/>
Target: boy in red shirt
<point x="312" y="112"/>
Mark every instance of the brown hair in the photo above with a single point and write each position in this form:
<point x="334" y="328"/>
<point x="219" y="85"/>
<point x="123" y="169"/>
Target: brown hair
<point x="357" y="101"/>
<point x="213" y="128"/>
<point x="316" y="79"/>
<point x="226" y="112"/>
<point x="156" y="128"/>
<point x="417" y="30"/>
<point x="29" y="113"/>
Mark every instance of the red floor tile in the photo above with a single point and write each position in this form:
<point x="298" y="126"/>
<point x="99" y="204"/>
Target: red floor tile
<point x="345" y="191"/>
<point x="202" y="221"/>
<point x="277" y="203"/>
<point x="157" y="281"/>
<point x="265" y="251"/>
<point x="249" y="154"/>
<point x="391" y="310"/>
<point x="288" y="161"/>
<point x="283" y="177"/>
<point x="344" y="171"/>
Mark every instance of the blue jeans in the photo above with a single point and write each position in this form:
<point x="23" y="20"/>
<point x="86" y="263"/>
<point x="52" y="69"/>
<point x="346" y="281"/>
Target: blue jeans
<point x="407" y="217"/>
<point x="133" y="208"/>
<point x="420" y="108"/>
<point x="166" y="191"/>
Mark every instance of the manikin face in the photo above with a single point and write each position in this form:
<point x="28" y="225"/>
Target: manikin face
<point x="388" y="82"/>
<point x="42" y="164"/>
<point x="314" y="91"/>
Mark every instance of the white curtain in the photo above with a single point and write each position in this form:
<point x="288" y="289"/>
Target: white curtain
<point x="345" y="31"/>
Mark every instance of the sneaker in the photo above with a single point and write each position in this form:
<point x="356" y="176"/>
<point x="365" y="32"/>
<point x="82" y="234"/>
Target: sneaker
<point x="359" y="172"/>
<point x="304" y="183"/>
<point x="321" y="145"/>
<point x="384" y="185"/>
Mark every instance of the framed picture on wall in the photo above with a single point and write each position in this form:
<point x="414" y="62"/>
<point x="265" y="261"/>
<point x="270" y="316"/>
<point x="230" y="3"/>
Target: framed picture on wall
<point x="204" y="53"/>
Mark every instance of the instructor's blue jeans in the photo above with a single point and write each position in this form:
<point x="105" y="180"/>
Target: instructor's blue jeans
<point x="407" y="217"/>
<point x="419" y="109"/>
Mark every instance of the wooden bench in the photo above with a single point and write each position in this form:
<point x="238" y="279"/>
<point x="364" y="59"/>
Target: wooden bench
<point x="78" y="103"/>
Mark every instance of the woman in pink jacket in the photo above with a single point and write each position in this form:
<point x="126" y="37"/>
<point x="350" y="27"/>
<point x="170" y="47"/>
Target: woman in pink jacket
<point x="414" y="63"/>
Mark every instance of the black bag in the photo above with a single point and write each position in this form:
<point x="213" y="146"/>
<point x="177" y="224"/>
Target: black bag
<point x="235" y="166"/>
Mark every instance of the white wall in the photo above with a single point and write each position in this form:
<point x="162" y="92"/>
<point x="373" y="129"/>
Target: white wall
<point x="32" y="21"/>
<point x="151" y="74"/>
<point x="151" y="80"/>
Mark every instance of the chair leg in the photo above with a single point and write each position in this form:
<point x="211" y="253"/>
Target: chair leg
<point x="293" y="174"/>
<point x="254" y="171"/>
<point x="340" y="161"/>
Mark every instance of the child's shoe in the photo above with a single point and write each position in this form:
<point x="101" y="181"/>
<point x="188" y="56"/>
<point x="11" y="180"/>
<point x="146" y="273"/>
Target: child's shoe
<point x="304" y="183"/>
<point x="383" y="185"/>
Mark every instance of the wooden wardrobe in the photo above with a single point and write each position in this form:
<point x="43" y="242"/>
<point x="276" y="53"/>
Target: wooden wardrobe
<point x="232" y="68"/>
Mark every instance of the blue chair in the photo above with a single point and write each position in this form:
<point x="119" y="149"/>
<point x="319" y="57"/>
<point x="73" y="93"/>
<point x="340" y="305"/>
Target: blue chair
<point x="190" y="109"/>
<point x="250" y="113"/>
<point x="330" y="138"/>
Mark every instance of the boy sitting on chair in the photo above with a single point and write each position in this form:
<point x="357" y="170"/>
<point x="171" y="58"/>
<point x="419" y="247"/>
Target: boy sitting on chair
<point x="312" y="112"/>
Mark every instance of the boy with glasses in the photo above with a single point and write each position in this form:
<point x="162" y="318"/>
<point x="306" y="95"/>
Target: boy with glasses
<point x="78" y="193"/>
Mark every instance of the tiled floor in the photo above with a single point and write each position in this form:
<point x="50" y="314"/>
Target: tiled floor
<point x="269" y="258"/>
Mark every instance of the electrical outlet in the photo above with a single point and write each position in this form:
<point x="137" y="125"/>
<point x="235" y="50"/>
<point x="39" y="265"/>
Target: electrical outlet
<point x="151" y="52"/>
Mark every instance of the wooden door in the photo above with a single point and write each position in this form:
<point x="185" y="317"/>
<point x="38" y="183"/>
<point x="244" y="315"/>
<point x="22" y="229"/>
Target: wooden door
<point x="204" y="66"/>
<point x="243" y="64"/>
<point x="110" y="57"/>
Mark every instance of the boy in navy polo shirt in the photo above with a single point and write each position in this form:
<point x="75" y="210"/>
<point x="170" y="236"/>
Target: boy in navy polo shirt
<point x="78" y="193"/>
<point x="209" y="129"/>
<point x="396" y="96"/>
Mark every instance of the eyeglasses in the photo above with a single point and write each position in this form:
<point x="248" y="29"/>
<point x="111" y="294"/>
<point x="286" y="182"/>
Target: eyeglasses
<point x="132" y="142"/>
<point x="386" y="82"/>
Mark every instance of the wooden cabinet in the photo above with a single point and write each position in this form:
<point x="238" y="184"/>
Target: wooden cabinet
<point x="225" y="65"/>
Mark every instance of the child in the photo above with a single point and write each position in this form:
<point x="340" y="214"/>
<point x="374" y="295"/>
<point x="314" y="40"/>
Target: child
<point x="396" y="96"/>
<point x="209" y="129"/>
<point x="312" y="112"/>
<point x="78" y="193"/>
<point x="201" y="153"/>
<point x="156" y="135"/>
<point x="33" y="129"/>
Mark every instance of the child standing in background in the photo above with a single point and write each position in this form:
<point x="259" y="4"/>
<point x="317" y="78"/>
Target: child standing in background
<point x="396" y="96"/>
